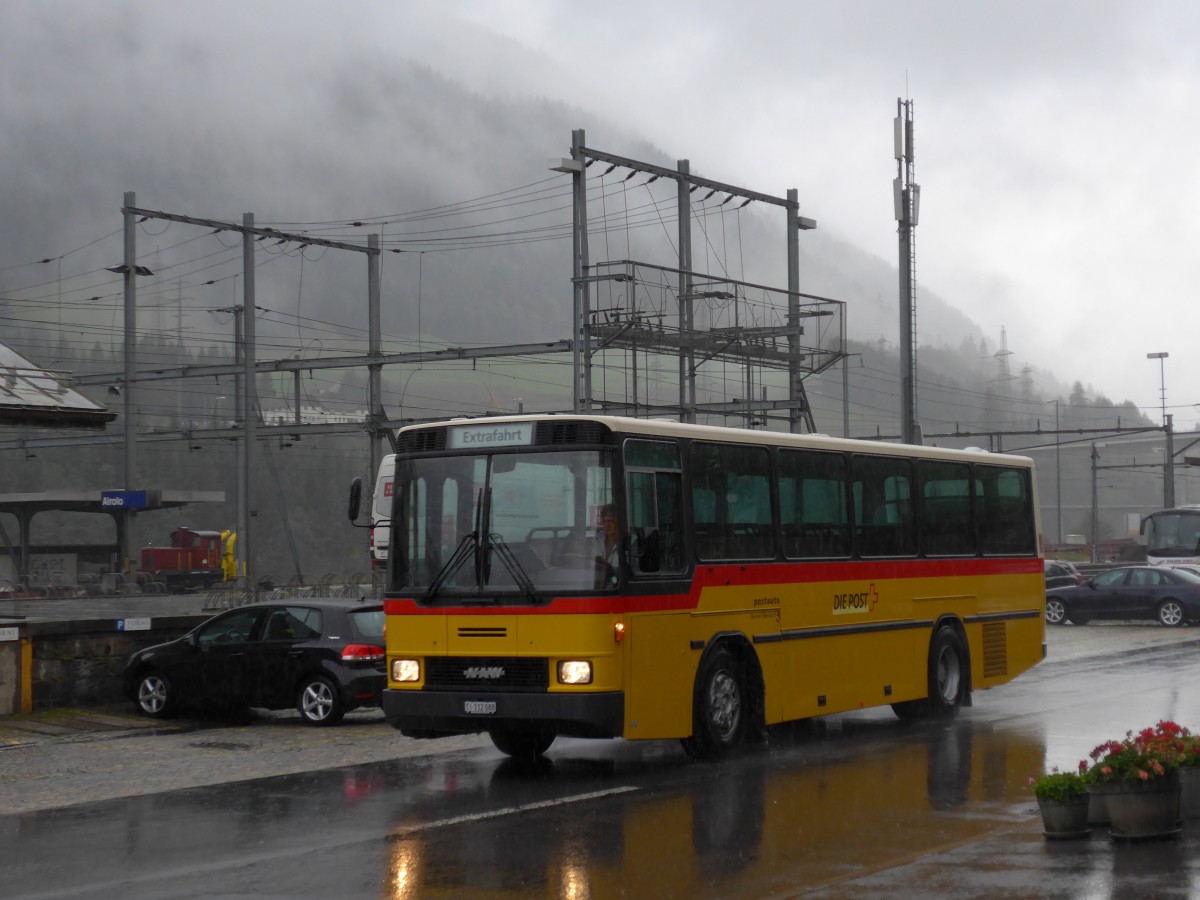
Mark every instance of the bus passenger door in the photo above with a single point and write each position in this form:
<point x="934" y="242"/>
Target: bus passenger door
<point x="662" y="665"/>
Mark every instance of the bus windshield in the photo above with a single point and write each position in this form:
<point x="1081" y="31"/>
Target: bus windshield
<point x="1172" y="534"/>
<point x="506" y="523"/>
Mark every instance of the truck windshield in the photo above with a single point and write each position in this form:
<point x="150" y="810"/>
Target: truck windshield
<point x="502" y="524"/>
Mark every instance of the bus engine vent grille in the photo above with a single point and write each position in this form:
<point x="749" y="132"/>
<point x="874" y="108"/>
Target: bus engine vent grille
<point x="995" y="650"/>
<point x="423" y="440"/>
<point x="486" y="673"/>
<point x="571" y="433"/>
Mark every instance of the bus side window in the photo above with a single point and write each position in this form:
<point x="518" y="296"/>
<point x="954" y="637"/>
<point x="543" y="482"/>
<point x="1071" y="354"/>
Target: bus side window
<point x="945" y="522"/>
<point x="731" y="501"/>
<point x="884" y="519"/>
<point x="813" y="512"/>
<point x="1004" y="506"/>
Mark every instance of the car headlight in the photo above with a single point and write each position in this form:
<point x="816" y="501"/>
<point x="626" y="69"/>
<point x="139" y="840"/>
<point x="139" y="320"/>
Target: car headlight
<point x="574" y="671"/>
<point x="406" y="670"/>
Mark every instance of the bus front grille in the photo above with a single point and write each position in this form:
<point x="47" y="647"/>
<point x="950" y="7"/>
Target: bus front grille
<point x="486" y="673"/>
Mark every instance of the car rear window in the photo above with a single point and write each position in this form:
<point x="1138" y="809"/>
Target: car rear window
<point x="368" y="622"/>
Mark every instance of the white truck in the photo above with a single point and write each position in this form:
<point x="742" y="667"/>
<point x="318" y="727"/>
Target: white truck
<point x="381" y="512"/>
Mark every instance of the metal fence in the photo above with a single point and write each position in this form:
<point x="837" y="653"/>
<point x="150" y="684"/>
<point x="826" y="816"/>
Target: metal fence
<point x="363" y="585"/>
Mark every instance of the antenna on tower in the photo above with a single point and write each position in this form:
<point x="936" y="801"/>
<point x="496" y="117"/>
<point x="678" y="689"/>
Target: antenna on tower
<point x="906" y="196"/>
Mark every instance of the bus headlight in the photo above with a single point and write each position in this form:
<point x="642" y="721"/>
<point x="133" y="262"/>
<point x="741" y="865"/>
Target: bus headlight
<point x="406" y="670"/>
<point x="574" y="671"/>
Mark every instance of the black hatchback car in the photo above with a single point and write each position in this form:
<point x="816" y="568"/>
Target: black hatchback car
<point x="1131" y="592"/>
<point x="323" y="657"/>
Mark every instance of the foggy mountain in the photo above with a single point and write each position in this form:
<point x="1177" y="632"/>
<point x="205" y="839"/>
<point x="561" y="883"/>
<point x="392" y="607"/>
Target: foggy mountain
<point x="366" y="133"/>
<point x="450" y="171"/>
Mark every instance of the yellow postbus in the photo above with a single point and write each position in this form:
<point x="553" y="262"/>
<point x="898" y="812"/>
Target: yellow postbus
<point x="599" y="576"/>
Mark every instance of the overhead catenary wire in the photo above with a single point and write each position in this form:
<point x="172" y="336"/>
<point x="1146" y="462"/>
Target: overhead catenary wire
<point x="531" y="213"/>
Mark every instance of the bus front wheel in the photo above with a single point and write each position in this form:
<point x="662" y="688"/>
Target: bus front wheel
<point x="948" y="669"/>
<point x="720" y="707"/>
<point x="524" y="744"/>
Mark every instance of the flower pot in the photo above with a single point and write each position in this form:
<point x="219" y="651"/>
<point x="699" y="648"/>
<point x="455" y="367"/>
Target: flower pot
<point x="1065" y="818"/>
<point x="1098" y="804"/>
<point x="1144" y="809"/>
<point x="1189" y="792"/>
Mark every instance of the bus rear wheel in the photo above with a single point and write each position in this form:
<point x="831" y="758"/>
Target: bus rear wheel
<point x="524" y="743"/>
<point x="948" y="669"/>
<point x="720" y="707"/>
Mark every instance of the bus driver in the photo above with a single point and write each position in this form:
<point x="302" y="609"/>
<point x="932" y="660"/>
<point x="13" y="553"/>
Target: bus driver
<point x="607" y="545"/>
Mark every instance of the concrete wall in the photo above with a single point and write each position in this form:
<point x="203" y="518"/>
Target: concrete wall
<point x="74" y="663"/>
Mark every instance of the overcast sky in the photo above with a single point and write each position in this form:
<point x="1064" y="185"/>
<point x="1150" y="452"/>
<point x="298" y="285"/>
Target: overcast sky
<point x="1056" y="148"/>
<point x="1054" y="140"/>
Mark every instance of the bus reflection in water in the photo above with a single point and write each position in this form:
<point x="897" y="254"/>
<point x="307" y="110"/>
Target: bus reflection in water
<point x="846" y="800"/>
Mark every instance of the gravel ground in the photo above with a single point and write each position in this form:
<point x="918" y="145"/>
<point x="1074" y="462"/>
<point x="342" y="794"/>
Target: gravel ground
<point x="64" y="757"/>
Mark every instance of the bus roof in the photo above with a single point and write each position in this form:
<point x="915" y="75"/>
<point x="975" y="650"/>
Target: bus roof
<point x="671" y="428"/>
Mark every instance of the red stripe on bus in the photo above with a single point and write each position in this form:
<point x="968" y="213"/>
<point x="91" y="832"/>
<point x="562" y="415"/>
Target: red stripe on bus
<point x="740" y="575"/>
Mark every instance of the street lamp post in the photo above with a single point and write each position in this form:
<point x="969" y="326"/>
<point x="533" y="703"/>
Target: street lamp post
<point x="1162" y="381"/>
<point x="1095" y="502"/>
<point x="1169" y="454"/>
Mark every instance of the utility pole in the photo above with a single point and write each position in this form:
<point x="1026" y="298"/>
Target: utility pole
<point x="581" y="335"/>
<point x="239" y="442"/>
<point x="1169" y="463"/>
<point x="906" y="197"/>
<point x="845" y="394"/>
<point x="687" y="298"/>
<point x="129" y="412"/>
<point x="1058" y="471"/>
<point x="1095" y="505"/>
<point x="179" y="346"/>
<point x="801" y="410"/>
<point x="375" y="411"/>
<point x="249" y="396"/>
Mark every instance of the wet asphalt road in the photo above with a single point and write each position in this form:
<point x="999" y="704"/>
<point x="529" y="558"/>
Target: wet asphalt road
<point x="856" y="805"/>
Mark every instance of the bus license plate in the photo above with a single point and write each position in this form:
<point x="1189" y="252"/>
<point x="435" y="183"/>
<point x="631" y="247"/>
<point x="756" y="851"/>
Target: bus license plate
<point x="479" y="707"/>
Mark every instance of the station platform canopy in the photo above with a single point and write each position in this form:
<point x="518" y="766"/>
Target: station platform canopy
<point x="22" y="505"/>
<point x="115" y="503"/>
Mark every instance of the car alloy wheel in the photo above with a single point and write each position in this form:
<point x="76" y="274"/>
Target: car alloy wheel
<point x="319" y="702"/>
<point x="1056" y="611"/>
<point x="154" y="695"/>
<point x="1170" y="613"/>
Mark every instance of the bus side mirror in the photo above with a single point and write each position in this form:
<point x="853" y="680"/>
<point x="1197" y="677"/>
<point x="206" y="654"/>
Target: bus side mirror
<point x="355" y="498"/>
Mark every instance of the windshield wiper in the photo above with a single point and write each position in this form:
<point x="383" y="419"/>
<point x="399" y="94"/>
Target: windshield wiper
<point x="513" y="565"/>
<point x="465" y="550"/>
